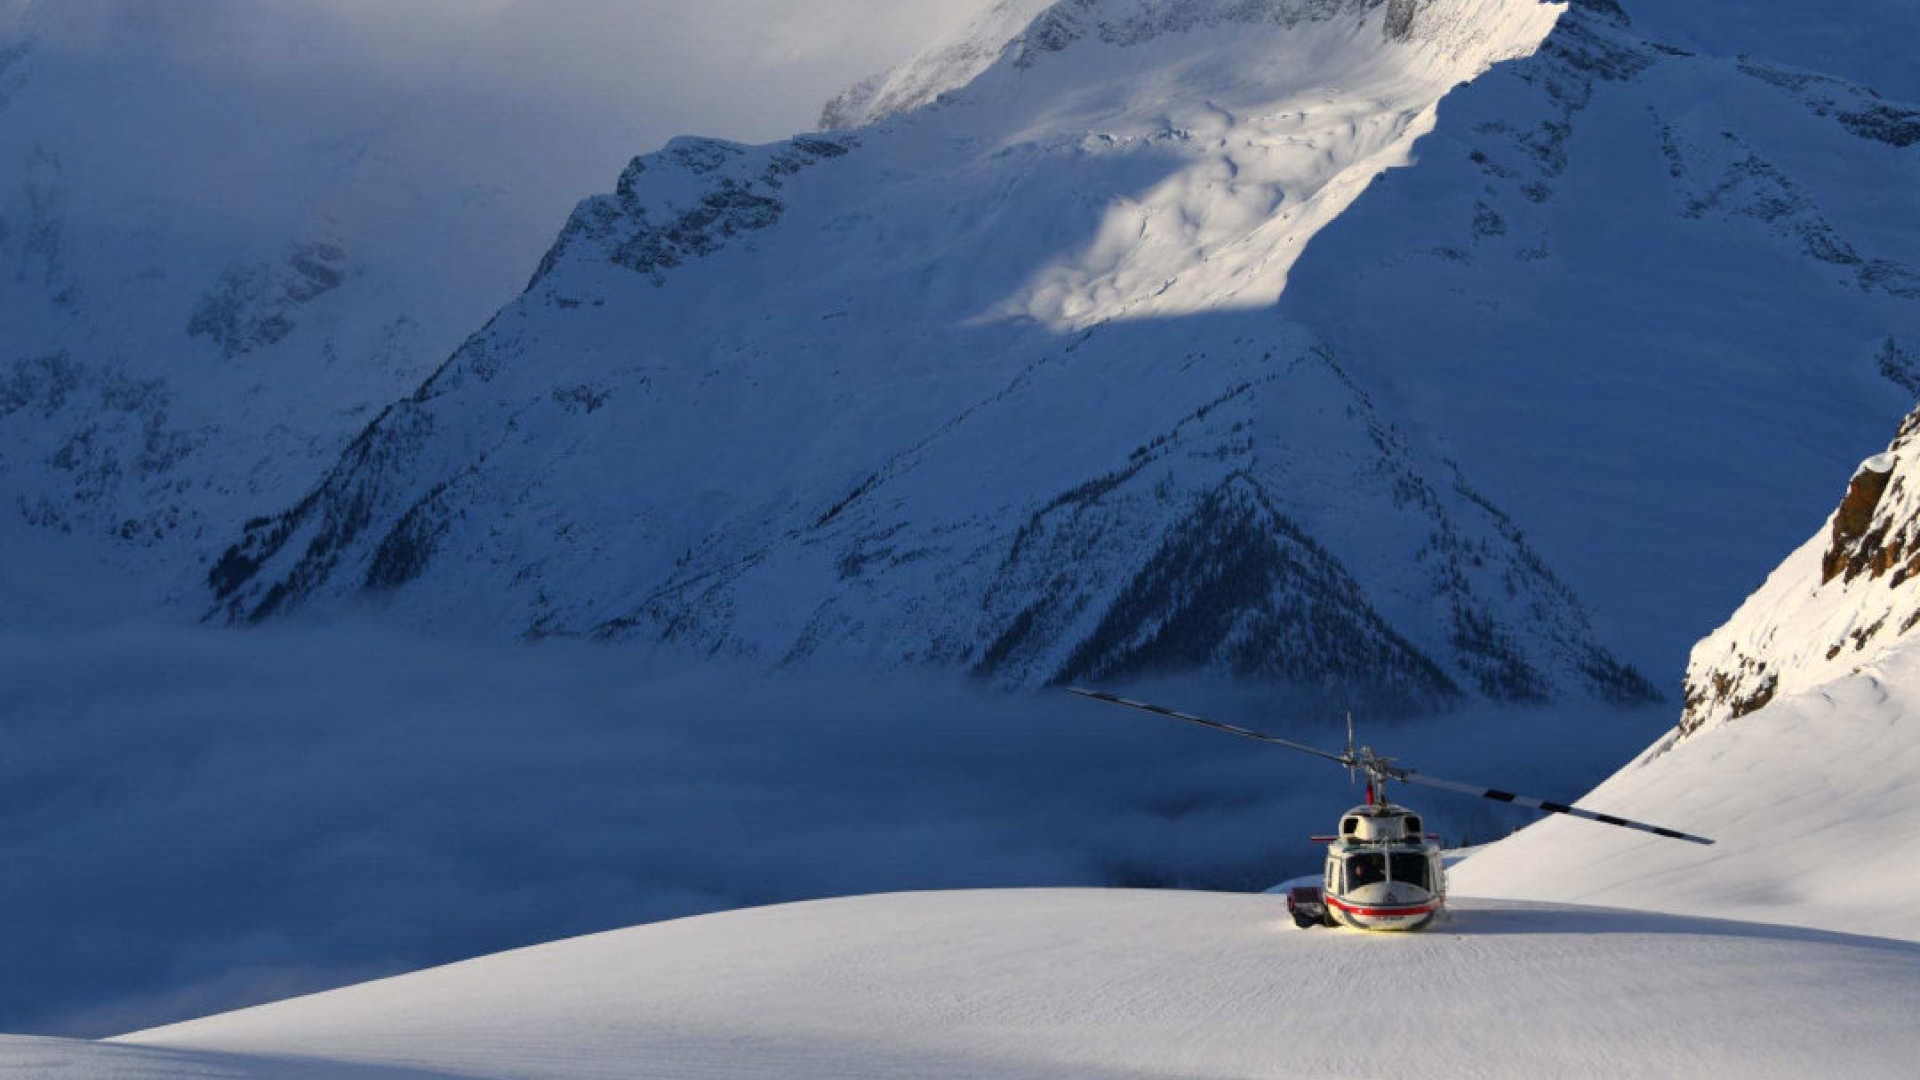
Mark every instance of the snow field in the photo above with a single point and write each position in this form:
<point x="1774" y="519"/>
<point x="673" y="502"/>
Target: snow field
<point x="1812" y="801"/>
<point x="1116" y="983"/>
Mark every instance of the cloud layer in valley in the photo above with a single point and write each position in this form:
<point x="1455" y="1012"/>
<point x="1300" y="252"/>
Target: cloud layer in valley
<point x="202" y="820"/>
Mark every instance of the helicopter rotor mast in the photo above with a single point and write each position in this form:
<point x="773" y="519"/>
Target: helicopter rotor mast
<point x="1379" y="769"/>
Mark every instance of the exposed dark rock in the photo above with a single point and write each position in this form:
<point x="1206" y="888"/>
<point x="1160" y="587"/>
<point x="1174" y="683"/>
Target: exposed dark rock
<point x="252" y="307"/>
<point x="1398" y="25"/>
<point x="653" y="238"/>
<point x="1853" y="548"/>
<point x="1899" y="366"/>
<point x="1885" y="123"/>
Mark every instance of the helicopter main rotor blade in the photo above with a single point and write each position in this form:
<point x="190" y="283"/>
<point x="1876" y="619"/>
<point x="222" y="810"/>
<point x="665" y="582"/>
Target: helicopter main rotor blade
<point x="1411" y="777"/>
<point x="1215" y="724"/>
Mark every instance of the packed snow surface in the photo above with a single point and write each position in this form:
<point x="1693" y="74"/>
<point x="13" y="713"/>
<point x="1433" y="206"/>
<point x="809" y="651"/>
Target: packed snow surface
<point x="1814" y="801"/>
<point x="1092" y="983"/>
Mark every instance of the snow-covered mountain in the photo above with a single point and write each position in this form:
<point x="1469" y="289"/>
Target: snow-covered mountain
<point x="231" y="232"/>
<point x="1000" y="383"/>
<point x="1525" y="977"/>
<point x="211" y="277"/>
<point x="977" y="434"/>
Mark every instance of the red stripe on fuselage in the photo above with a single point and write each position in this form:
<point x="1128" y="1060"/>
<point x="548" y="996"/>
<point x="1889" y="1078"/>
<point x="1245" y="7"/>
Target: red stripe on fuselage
<point x="1382" y="912"/>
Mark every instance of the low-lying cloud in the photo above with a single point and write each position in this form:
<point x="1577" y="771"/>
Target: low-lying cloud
<point x="195" y="821"/>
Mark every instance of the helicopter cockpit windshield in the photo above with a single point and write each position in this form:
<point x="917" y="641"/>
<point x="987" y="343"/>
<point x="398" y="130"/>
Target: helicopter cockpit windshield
<point x="1401" y="867"/>
<point x="1367" y="868"/>
<point x="1410" y="868"/>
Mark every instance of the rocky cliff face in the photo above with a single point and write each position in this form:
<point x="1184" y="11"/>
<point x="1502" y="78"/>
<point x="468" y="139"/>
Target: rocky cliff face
<point x="1833" y="607"/>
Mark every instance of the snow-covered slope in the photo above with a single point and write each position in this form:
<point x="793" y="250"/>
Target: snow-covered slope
<point x="1800" y="739"/>
<point x="1812" y="802"/>
<point x="1074" y="983"/>
<point x="1654" y="296"/>
<point x="921" y="80"/>
<point x="1833" y="607"/>
<point x="231" y="232"/>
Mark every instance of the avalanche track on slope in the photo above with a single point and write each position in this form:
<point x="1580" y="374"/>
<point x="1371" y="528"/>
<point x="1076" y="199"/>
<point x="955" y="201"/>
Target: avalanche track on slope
<point x="1090" y="983"/>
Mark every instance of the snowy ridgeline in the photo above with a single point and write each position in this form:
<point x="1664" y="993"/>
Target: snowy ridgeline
<point x="231" y="233"/>
<point x="1323" y="430"/>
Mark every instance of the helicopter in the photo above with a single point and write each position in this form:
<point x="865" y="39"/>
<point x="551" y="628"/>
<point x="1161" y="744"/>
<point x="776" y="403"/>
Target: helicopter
<point x="1384" y="871"/>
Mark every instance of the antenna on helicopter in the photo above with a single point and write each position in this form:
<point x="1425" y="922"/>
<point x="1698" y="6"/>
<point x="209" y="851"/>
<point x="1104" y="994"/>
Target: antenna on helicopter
<point x="1379" y="770"/>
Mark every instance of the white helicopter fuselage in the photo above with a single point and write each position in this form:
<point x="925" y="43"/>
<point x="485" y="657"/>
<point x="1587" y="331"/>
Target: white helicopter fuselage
<point x="1383" y="872"/>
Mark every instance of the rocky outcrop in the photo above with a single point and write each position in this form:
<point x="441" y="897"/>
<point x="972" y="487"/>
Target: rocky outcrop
<point x="252" y="307"/>
<point x="1833" y="607"/>
<point x="686" y="202"/>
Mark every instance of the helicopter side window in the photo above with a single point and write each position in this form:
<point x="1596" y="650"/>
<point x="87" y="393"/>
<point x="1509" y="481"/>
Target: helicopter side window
<point x="1410" y="867"/>
<point x="1366" y="869"/>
